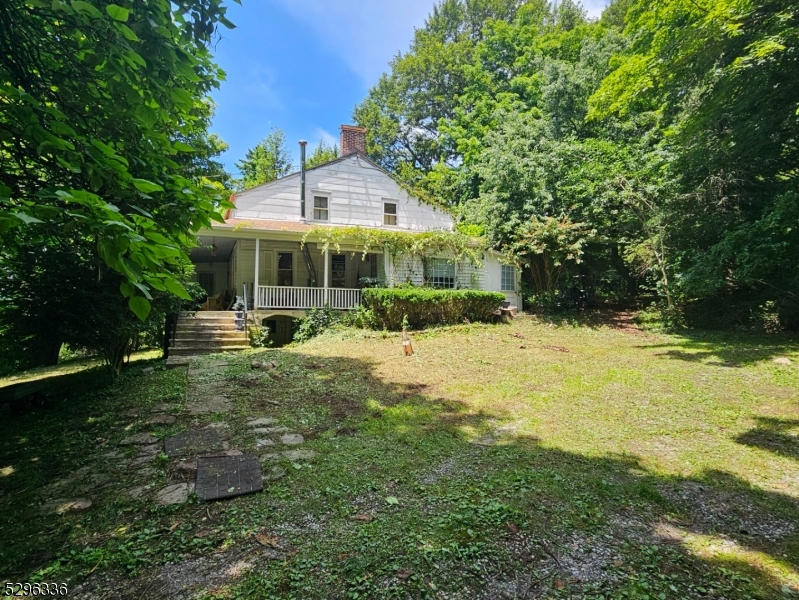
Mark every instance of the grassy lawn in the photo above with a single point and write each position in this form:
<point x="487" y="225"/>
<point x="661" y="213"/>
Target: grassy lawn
<point x="528" y="460"/>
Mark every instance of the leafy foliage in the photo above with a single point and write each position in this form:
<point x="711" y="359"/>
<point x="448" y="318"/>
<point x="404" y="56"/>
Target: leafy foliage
<point x="395" y="308"/>
<point x="322" y="153"/>
<point x="400" y="243"/>
<point x="315" y="322"/>
<point x="101" y="103"/>
<point x="267" y="161"/>
<point x="667" y="131"/>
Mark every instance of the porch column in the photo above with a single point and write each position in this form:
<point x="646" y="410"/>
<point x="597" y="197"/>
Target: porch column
<point x="327" y="272"/>
<point x="388" y="268"/>
<point x="257" y="269"/>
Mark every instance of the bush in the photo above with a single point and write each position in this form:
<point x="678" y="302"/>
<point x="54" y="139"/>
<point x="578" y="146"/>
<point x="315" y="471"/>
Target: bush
<point x="315" y="322"/>
<point x="259" y="336"/>
<point x="424" y="306"/>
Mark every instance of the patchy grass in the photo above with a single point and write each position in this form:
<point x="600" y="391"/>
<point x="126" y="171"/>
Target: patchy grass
<point x="537" y="459"/>
<point x="68" y="367"/>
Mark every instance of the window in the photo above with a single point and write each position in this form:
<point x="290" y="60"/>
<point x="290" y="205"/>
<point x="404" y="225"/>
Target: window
<point x="390" y="213"/>
<point x="508" y="279"/>
<point x="441" y="273"/>
<point x="285" y="268"/>
<point x="321" y="211"/>
<point x="338" y="271"/>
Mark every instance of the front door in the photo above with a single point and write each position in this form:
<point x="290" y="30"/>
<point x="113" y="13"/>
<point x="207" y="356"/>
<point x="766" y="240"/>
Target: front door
<point x="285" y="268"/>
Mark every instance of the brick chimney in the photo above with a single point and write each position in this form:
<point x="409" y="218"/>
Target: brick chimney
<point x="353" y="139"/>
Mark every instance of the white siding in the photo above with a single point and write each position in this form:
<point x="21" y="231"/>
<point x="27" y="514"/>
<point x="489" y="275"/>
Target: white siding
<point x="492" y="282"/>
<point x="356" y="190"/>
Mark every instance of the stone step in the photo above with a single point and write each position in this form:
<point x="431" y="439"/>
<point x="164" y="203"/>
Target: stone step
<point x="211" y="333"/>
<point x="195" y="342"/>
<point x="205" y="322"/>
<point x="231" y="326"/>
<point x="193" y="350"/>
<point x="204" y="315"/>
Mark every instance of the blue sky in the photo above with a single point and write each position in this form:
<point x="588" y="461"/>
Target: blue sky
<point x="303" y="65"/>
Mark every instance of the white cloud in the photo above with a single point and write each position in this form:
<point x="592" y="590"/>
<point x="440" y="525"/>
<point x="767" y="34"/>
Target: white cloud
<point x="366" y="34"/>
<point x="328" y="138"/>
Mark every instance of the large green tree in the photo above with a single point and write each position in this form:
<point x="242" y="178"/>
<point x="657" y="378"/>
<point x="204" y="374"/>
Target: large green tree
<point x="97" y="100"/>
<point x="268" y="160"/>
<point x="106" y="164"/>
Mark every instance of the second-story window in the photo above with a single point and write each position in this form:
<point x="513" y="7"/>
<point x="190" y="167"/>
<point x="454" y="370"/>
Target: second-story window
<point x="321" y="211"/>
<point x="389" y="213"/>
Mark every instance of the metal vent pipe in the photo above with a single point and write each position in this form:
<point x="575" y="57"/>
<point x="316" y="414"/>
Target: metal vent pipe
<point x="302" y="178"/>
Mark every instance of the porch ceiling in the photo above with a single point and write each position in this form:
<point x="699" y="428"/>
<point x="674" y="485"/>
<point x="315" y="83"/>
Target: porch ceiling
<point x="205" y="254"/>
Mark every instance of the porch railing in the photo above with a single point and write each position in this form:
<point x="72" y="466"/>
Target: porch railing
<point x="301" y="298"/>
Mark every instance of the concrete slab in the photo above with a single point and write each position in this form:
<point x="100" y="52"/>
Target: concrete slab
<point x="196" y="441"/>
<point x="228" y="476"/>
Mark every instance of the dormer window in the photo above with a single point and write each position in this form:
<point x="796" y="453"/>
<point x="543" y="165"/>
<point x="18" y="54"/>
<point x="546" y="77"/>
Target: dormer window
<point x="390" y="213"/>
<point x="321" y="209"/>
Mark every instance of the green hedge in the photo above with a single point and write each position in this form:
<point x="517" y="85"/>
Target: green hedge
<point x="424" y="306"/>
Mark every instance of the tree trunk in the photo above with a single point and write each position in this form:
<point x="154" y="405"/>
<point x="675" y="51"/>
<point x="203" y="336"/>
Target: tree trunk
<point x="45" y="352"/>
<point x="621" y="268"/>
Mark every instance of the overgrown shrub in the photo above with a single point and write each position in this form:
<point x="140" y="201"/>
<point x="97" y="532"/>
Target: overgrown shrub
<point x="425" y="306"/>
<point x="315" y="322"/>
<point x="259" y="336"/>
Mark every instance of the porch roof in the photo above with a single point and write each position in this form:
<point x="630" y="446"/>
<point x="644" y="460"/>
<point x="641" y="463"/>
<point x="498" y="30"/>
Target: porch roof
<point x="264" y="225"/>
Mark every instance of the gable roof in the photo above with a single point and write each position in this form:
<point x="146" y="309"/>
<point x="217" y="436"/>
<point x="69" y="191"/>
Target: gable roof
<point x="358" y="154"/>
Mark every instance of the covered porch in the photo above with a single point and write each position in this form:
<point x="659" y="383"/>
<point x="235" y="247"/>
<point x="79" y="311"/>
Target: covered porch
<point x="284" y="274"/>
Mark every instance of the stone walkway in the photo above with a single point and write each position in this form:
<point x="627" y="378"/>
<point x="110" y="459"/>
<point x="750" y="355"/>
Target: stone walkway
<point x="195" y="455"/>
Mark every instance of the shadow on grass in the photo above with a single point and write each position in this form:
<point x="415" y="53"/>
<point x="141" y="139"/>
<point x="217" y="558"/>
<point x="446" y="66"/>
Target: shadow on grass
<point x="772" y="434"/>
<point x="727" y="349"/>
<point x="481" y="508"/>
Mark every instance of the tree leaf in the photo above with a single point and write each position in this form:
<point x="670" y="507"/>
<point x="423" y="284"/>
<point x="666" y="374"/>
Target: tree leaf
<point x="85" y="8"/>
<point x="147" y="186"/>
<point x="140" y="307"/>
<point x="175" y="287"/>
<point x="392" y="500"/>
<point x="117" y="13"/>
<point x="25" y="218"/>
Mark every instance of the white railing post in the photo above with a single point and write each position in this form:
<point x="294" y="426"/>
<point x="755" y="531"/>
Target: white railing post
<point x="257" y="268"/>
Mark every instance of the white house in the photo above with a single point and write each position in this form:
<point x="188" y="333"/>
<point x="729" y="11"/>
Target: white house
<point x="259" y="249"/>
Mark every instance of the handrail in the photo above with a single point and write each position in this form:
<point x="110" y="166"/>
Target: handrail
<point x="244" y="286"/>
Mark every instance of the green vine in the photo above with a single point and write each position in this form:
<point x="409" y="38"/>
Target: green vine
<point x="401" y="243"/>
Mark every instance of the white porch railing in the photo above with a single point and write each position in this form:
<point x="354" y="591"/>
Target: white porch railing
<point x="301" y="298"/>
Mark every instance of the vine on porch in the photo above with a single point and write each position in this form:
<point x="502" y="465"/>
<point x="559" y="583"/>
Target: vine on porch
<point x="402" y="243"/>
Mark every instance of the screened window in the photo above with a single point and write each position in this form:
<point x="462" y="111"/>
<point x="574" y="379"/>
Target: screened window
<point x="206" y="281"/>
<point x="338" y="270"/>
<point x="285" y="268"/>
<point x="389" y="213"/>
<point x="508" y="279"/>
<point x="442" y="273"/>
<point x="321" y="211"/>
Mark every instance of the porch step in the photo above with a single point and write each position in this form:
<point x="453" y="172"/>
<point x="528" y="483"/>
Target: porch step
<point x="196" y="350"/>
<point x="205" y="315"/>
<point x="209" y="331"/>
<point x="210" y="343"/>
<point x="205" y="332"/>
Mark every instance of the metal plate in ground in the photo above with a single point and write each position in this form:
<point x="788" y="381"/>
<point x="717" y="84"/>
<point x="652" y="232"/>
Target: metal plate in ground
<point x="228" y="476"/>
<point x="196" y="441"/>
